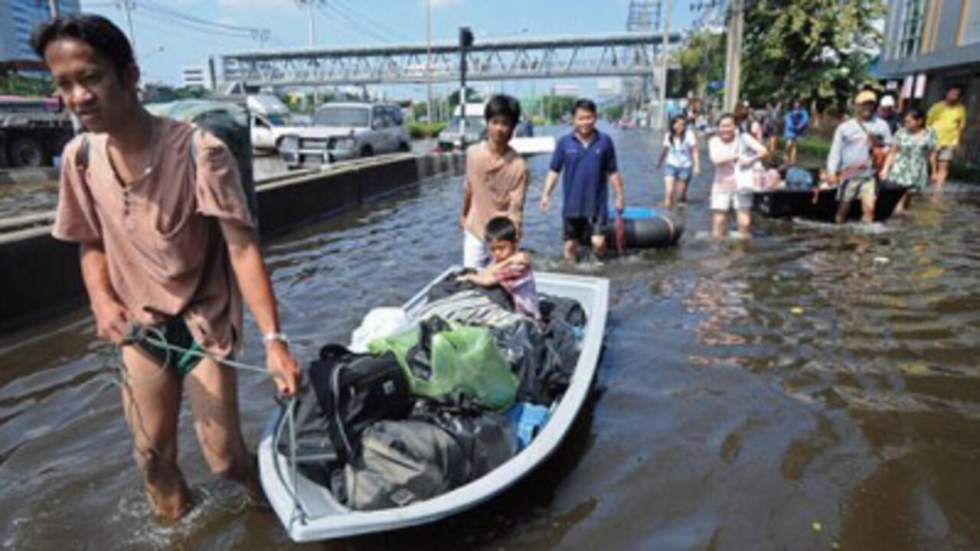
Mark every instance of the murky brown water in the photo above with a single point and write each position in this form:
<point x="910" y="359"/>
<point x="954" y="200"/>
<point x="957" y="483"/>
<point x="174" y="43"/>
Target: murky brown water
<point x="815" y="387"/>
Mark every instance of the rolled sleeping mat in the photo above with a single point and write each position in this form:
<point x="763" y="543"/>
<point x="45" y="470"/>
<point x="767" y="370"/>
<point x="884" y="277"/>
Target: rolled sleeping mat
<point x="646" y="228"/>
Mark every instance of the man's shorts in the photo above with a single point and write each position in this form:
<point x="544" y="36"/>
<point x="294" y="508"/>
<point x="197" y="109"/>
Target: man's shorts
<point x="723" y="200"/>
<point x="476" y="254"/>
<point x="176" y="333"/>
<point x="945" y="154"/>
<point x="678" y="173"/>
<point x="856" y="188"/>
<point x="583" y="229"/>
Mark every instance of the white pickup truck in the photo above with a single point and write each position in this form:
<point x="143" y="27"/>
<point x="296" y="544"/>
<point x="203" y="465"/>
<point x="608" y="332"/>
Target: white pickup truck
<point x="345" y="130"/>
<point x="271" y="120"/>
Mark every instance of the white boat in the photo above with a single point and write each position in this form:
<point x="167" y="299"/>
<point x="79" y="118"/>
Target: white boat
<point x="533" y="145"/>
<point x="309" y="512"/>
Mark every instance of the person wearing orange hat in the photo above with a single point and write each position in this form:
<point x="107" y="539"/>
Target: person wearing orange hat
<point x="852" y="161"/>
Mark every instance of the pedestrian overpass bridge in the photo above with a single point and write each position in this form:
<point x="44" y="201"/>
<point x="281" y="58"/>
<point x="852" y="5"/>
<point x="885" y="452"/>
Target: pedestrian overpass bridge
<point x="622" y="54"/>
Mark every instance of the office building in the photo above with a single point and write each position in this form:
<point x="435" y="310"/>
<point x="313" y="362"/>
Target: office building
<point x="196" y="76"/>
<point x="18" y="18"/>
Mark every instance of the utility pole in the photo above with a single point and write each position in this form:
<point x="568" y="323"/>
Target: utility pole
<point x="428" y="59"/>
<point x="312" y="16"/>
<point x="311" y="6"/>
<point x="733" y="57"/>
<point x="644" y="16"/>
<point x="53" y="6"/>
<point x="129" y="5"/>
<point x="666" y="63"/>
<point x="465" y="41"/>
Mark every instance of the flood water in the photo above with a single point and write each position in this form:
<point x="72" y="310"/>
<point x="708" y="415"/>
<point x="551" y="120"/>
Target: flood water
<point x="42" y="196"/>
<point x="813" y="388"/>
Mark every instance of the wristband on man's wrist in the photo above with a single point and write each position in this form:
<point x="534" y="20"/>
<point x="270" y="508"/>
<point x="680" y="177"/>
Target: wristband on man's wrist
<point x="275" y="337"/>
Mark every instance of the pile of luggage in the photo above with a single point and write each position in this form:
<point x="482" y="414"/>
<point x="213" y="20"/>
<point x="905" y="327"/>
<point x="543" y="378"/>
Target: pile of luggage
<point x="415" y="408"/>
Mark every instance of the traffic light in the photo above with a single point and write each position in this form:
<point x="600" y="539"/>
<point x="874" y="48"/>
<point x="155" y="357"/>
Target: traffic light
<point x="465" y="37"/>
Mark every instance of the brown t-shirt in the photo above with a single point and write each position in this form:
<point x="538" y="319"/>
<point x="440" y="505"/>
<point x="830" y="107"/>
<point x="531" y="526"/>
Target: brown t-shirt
<point x="497" y="184"/>
<point x="161" y="236"/>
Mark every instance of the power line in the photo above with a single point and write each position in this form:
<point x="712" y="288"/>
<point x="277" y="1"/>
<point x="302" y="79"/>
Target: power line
<point x="357" y="24"/>
<point x="153" y="7"/>
<point x="376" y="24"/>
<point x="340" y="26"/>
<point x="152" y="23"/>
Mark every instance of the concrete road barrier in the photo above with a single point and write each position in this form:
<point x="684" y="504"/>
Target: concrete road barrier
<point x="28" y="175"/>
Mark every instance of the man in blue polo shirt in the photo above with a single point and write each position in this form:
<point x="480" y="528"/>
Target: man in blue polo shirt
<point x="587" y="160"/>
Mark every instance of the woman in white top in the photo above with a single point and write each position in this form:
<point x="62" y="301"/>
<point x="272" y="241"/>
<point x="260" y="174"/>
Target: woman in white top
<point x="681" y="152"/>
<point x="731" y="152"/>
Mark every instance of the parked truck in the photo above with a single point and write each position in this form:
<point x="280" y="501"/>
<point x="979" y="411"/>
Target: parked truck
<point x="33" y="131"/>
<point x="271" y="120"/>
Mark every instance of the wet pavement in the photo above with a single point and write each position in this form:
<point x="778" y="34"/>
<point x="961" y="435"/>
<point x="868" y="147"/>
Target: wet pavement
<point x="813" y="388"/>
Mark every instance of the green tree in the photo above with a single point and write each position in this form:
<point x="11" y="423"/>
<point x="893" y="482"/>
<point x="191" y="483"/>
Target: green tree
<point x="702" y="61"/>
<point x="613" y="112"/>
<point x="20" y="85"/>
<point x="190" y="92"/>
<point x="472" y="96"/>
<point x="556" y="107"/>
<point x="809" y="49"/>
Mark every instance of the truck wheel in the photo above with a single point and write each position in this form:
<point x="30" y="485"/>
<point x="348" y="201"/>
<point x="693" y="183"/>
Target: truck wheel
<point x="366" y="151"/>
<point x="25" y="152"/>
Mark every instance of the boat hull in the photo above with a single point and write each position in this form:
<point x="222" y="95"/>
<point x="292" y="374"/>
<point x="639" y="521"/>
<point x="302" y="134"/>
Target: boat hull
<point x="315" y="514"/>
<point x="794" y="203"/>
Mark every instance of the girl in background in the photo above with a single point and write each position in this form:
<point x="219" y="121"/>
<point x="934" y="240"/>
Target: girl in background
<point x="683" y="160"/>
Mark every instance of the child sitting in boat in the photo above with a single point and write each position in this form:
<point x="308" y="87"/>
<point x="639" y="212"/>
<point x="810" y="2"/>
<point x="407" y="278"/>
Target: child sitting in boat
<point x="511" y="268"/>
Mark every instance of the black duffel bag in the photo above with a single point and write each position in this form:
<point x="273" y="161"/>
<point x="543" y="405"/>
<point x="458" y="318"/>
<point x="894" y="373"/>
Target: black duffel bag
<point x="355" y="390"/>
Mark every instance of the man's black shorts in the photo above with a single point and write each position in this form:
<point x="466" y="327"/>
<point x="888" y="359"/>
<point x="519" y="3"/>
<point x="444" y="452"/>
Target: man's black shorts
<point x="583" y="229"/>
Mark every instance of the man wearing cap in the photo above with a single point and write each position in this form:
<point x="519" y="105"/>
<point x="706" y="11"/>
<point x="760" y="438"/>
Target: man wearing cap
<point x="888" y="113"/>
<point x="850" y="163"/>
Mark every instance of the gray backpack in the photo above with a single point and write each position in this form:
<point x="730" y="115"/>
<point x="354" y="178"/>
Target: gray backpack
<point x="402" y="462"/>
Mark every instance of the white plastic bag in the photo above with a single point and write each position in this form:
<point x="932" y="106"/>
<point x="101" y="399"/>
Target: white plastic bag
<point x="378" y="323"/>
<point x="745" y="175"/>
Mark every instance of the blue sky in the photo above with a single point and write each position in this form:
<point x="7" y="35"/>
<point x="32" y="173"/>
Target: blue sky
<point x="165" y="45"/>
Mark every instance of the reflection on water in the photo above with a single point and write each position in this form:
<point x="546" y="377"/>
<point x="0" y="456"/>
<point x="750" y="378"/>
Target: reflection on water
<point x="750" y="393"/>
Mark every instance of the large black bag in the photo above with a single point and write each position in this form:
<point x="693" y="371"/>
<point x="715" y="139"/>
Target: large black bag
<point x="487" y="439"/>
<point x="355" y="390"/>
<point x="399" y="463"/>
<point x="544" y="357"/>
<point x="437" y="449"/>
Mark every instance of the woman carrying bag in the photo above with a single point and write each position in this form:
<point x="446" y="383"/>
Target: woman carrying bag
<point x="734" y="155"/>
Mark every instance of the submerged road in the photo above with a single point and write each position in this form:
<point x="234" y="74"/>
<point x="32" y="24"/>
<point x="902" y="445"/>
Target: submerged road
<point x="36" y="195"/>
<point x="813" y="388"/>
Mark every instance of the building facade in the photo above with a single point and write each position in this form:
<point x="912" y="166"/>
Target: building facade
<point x="196" y="77"/>
<point x="933" y="44"/>
<point x="19" y="18"/>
